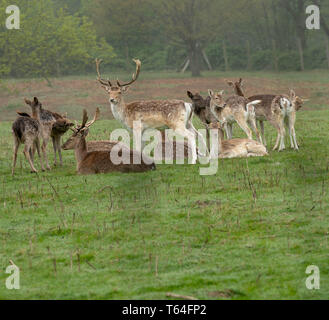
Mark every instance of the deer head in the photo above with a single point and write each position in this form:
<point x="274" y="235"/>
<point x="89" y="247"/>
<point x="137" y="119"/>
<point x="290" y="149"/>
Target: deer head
<point x="35" y="105"/>
<point x="116" y="91"/>
<point x="198" y="101"/>
<point x="217" y="102"/>
<point x="237" y="86"/>
<point x="80" y="132"/>
<point x="296" y="101"/>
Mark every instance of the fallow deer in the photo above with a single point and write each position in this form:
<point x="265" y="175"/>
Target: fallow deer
<point x="276" y="109"/>
<point x="54" y="126"/>
<point x="240" y="148"/>
<point x="234" y="109"/>
<point x="99" y="160"/>
<point x="201" y="108"/>
<point x="140" y="116"/>
<point x="28" y="130"/>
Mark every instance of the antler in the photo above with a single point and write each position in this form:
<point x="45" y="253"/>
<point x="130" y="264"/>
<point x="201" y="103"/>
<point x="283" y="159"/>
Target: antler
<point x="90" y="123"/>
<point x="135" y="75"/>
<point x="100" y="80"/>
<point x="84" y="119"/>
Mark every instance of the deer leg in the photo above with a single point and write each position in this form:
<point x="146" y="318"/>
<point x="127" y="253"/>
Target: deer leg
<point x="277" y="142"/>
<point x="184" y="132"/>
<point x="277" y="123"/>
<point x="261" y="123"/>
<point x="196" y="133"/>
<point x="292" y="120"/>
<point x="252" y="123"/>
<point x="208" y="137"/>
<point x="244" y="126"/>
<point x="55" y="150"/>
<point x="26" y="151"/>
<point x="58" y="141"/>
<point x="231" y="130"/>
<point x="44" y="151"/>
<point x="16" y="146"/>
<point x="227" y="128"/>
<point x="292" y="143"/>
<point x="37" y="144"/>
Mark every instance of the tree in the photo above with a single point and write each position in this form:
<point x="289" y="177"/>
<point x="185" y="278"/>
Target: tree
<point x="129" y="25"/>
<point x="191" y="24"/>
<point x="325" y="26"/>
<point x="296" y="8"/>
<point x="50" y="42"/>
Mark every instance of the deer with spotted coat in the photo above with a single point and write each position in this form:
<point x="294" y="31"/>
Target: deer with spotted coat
<point x="234" y="109"/>
<point x="28" y="130"/>
<point x="143" y="115"/>
<point x="278" y="110"/>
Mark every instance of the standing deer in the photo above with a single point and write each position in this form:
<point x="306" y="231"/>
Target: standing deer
<point x="201" y="108"/>
<point x="98" y="160"/>
<point x="28" y="131"/>
<point x="140" y="116"/>
<point x="277" y="110"/>
<point x="234" y="109"/>
<point x="54" y="126"/>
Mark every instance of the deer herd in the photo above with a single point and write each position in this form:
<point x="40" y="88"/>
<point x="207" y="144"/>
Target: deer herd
<point x="217" y="113"/>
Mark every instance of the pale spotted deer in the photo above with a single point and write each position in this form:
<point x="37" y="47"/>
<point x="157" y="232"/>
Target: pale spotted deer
<point x="28" y="130"/>
<point x="239" y="148"/>
<point x="143" y="115"/>
<point x="234" y="109"/>
<point x="277" y="110"/>
<point x="95" y="157"/>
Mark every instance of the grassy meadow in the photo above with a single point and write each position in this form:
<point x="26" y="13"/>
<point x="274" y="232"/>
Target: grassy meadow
<point x="248" y="232"/>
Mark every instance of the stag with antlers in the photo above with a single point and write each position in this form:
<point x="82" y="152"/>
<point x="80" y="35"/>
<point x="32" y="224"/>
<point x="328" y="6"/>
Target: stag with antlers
<point x="99" y="160"/>
<point x="142" y="115"/>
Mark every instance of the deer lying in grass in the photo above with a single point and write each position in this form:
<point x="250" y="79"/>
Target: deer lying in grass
<point x="201" y="108"/>
<point x="28" y="131"/>
<point x="277" y="110"/>
<point x="240" y="148"/>
<point x="54" y="126"/>
<point x="174" y="114"/>
<point x="99" y="160"/>
<point x="234" y="109"/>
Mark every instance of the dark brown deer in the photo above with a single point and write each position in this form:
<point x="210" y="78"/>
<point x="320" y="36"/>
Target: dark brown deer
<point x="28" y="130"/>
<point x="99" y="160"/>
<point x="54" y="126"/>
<point x="201" y="108"/>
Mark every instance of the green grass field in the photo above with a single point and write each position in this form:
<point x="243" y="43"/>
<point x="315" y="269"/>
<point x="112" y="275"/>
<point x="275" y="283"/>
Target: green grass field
<point x="249" y="232"/>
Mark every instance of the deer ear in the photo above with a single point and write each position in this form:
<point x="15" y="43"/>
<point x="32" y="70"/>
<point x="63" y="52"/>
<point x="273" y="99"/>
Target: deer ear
<point x="36" y="101"/>
<point x="210" y="92"/>
<point x="190" y="94"/>
<point x="27" y="101"/>
<point x="221" y="92"/>
<point x="125" y="89"/>
<point x="230" y="83"/>
<point x="292" y="94"/>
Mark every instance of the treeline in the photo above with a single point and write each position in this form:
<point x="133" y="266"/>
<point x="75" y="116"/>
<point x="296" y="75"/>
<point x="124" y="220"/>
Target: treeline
<point x="64" y="37"/>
